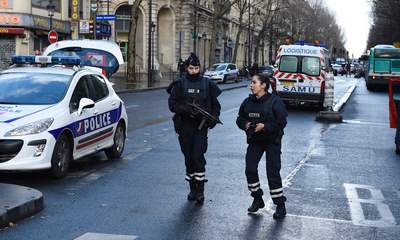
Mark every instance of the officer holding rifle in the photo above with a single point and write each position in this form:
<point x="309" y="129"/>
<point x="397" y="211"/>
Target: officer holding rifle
<point x="193" y="99"/>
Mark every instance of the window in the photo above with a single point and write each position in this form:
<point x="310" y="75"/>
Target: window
<point x="387" y="53"/>
<point x="122" y="23"/>
<point x="90" y="57"/>
<point x="232" y="67"/>
<point x="33" y="88"/>
<point x="288" y="64"/>
<point x="98" y="88"/>
<point x="45" y="3"/>
<point x="81" y="91"/>
<point x="310" y="66"/>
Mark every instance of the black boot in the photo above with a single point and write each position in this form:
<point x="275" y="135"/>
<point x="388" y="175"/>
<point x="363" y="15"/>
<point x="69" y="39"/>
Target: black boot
<point x="280" y="211"/>
<point x="258" y="203"/>
<point x="192" y="195"/>
<point x="200" y="192"/>
<point x="398" y="149"/>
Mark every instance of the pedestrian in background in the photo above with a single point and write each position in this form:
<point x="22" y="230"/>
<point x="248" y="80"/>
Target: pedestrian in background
<point x="193" y="88"/>
<point x="181" y="67"/>
<point x="348" y="69"/>
<point x="263" y="117"/>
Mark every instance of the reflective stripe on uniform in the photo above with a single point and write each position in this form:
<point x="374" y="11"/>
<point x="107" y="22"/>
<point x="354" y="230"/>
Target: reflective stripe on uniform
<point x="276" y="190"/>
<point x="254" y="184"/>
<point x="277" y="195"/>
<point x="254" y="189"/>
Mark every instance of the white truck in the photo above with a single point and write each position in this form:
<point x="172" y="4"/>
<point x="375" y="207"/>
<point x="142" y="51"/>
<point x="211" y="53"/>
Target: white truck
<point x="302" y="76"/>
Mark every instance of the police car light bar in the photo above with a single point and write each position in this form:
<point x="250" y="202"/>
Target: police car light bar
<point x="45" y="60"/>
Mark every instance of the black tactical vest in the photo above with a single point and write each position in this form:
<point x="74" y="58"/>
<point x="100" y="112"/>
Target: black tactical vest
<point x="197" y="91"/>
<point x="258" y="111"/>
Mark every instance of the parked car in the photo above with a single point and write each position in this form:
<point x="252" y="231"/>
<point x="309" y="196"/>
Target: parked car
<point x="223" y="72"/>
<point x="266" y="70"/>
<point x="62" y="112"/>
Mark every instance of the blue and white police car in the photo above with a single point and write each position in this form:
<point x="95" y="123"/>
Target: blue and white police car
<point x="52" y="111"/>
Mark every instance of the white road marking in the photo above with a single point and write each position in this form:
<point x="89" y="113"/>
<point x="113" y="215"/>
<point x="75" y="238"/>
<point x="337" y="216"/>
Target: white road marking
<point x="131" y="106"/>
<point x="357" y="214"/>
<point x="101" y="236"/>
<point x="365" y="123"/>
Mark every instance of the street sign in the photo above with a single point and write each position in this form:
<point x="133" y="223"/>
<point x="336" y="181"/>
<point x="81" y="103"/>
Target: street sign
<point x="52" y="36"/>
<point x="106" y="17"/>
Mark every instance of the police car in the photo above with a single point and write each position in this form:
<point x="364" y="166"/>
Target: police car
<point x="53" y="111"/>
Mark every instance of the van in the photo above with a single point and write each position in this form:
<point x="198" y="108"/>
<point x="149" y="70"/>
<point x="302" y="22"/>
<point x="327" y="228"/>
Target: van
<point x="303" y="76"/>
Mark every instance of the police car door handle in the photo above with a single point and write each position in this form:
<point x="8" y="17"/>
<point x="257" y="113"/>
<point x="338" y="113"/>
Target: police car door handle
<point x="95" y="112"/>
<point x="114" y="103"/>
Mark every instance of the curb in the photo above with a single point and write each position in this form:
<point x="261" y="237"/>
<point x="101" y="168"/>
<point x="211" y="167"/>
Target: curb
<point x="160" y="88"/>
<point x="17" y="203"/>
<point x="335" y="116"/>
<point x="345" y="98"/>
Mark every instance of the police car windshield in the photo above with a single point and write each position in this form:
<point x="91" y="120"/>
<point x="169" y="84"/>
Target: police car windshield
<point x="218" y="67"/>
<point x="33" y="88"/>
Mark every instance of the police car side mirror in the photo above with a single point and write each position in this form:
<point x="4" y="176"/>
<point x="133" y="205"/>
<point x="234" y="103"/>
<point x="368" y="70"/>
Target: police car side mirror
<point x="85" y="103"/>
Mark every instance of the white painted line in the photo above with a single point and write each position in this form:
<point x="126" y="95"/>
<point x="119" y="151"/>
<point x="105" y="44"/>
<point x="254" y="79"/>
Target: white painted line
<point x="357" y="214"/>
<point x="365" y="123"/>
<point x="321" y="219"/>
<point x="345" y="97"/>
<point x="231" y="110"/>
<point x="101" y="236"/>
<point x="131" y="106"/>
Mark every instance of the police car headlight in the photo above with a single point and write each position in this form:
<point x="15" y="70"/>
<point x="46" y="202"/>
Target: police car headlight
<point x="220" y="73"/>
<point x="31" y="128"/>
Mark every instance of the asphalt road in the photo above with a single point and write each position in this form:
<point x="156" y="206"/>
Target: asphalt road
<point x="342" y="180"/>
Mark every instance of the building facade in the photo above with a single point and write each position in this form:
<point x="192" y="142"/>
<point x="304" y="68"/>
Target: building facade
<point x="177" y="28"/>
<point x="24" y="26"/>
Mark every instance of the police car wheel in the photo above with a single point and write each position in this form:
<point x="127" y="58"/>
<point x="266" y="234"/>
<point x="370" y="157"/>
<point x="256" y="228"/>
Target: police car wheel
<point x="119" y="143"/>
<point x="62" y="156"/>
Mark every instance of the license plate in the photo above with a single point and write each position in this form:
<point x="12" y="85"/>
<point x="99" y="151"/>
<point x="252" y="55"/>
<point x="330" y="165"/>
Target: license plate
<point x="287" y="83"/>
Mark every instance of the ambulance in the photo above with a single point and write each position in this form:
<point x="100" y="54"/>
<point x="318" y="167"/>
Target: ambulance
<point x="303" y="76"/>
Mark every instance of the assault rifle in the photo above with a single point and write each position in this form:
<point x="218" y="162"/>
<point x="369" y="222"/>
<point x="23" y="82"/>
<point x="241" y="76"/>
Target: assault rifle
<point x="206" y="116"/>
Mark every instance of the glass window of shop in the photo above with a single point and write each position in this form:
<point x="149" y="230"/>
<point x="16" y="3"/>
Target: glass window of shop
<point x="44" y="3"/>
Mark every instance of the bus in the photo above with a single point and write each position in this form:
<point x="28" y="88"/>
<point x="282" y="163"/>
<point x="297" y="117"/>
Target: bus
<point x="383" y="63"/>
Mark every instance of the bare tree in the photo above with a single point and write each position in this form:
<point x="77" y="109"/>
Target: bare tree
<point x="132" y="41"/>
<point x="241" y="6"/>
<point x="221" y="8"/>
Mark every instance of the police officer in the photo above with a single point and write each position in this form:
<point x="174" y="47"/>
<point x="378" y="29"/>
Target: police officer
<point x="263" y="117"/>
<point x="193" y="88"/>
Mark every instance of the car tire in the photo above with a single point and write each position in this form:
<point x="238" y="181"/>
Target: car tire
<point x="116" y="150"/>
<point x="237" y="78"/>
<point x="62" y="156"/>
<point x="224" y="79"/>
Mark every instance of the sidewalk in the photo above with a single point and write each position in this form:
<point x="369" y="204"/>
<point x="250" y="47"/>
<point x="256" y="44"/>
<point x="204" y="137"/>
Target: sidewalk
<point x="17" y="202"/>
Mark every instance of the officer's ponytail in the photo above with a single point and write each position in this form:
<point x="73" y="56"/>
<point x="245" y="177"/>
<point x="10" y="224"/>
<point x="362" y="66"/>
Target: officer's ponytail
<point x="263" y="79"/>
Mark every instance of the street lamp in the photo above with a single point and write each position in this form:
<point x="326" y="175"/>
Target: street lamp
<point x="149" y="45"/>
<point x="204" y="48"/>
<point x="50" y="12"/>
<point x="153" y="29"/>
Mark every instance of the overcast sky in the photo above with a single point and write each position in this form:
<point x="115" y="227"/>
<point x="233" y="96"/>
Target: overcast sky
<point x="354" y="18"/>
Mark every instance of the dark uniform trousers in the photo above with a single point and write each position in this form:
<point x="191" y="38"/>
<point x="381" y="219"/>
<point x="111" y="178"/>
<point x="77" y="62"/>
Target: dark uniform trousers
<point x="273" y="157"/>
<point x="193" y="144"/>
